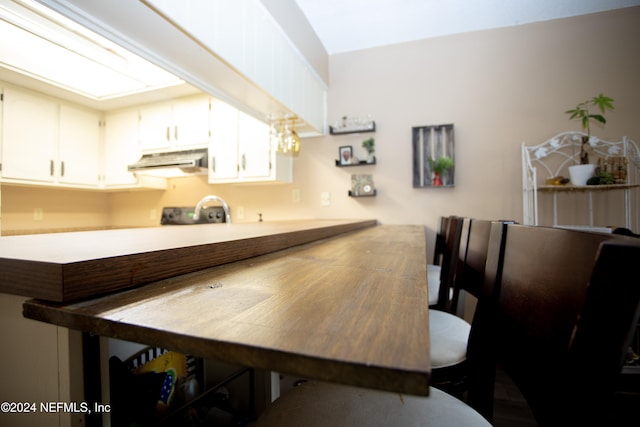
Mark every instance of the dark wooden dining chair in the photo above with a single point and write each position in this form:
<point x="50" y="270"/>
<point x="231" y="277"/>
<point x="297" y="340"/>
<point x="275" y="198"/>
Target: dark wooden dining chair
<point x="448" y="331"/>
<point x="556" y="313"/>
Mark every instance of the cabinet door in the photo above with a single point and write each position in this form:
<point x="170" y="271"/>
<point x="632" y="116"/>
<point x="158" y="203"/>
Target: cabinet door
<point x="120" y="147"/>
<point x="29" y="137"/>
<point x="191" y="122"/>
<point x="223" y="148"/>
<point x="79" y="150"/>
<point x="254" y="148"/>
<point x="156" y="131"/>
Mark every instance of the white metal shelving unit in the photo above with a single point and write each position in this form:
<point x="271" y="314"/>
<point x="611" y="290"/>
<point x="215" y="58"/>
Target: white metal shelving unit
<point x="552" y="158"/>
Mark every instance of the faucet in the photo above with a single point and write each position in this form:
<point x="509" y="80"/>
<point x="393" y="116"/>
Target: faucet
<point x="206" y="199"/>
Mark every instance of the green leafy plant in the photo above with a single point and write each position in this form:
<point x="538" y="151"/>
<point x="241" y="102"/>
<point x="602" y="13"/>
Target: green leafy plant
<point x="601" y="178"/>
<point x="442" y="164"/>
<point x="584" y="114"/>
<point x="369" y="145"/>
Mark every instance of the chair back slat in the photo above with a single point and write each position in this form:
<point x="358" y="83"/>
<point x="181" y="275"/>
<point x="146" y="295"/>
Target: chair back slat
<point x="474" y="244"/>
<point x="609" y="317"/>
<point x="439" y="247"/>
<point x="449" y="262"/>
<point x="533" y="296"/>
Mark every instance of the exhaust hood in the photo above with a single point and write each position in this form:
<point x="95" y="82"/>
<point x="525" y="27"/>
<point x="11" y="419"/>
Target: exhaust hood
<point x="174" y="163"/>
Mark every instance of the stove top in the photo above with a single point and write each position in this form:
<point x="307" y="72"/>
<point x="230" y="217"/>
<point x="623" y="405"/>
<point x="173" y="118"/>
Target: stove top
<point x="184" y="216"/>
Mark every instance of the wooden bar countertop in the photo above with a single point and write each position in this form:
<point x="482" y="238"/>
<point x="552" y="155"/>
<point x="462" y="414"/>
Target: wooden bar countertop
<point x="350" y="309"/>
<point x="65" y="267"/>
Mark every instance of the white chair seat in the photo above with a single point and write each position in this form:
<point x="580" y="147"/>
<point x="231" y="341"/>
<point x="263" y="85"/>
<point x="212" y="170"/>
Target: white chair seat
<point x="322" y="404"/>
<point x="433" y="282"/>
<point x="435" y="268"/>
<point x="448" y="335"/>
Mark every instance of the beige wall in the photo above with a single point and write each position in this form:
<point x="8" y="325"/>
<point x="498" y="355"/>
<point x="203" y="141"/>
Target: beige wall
<point x="499" y="88"/>
<point x="62" y="210"/>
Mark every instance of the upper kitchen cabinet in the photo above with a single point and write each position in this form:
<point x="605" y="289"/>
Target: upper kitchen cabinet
<point x="29" y="137"/>
<point x="175" y="125"/>
<point x="79" y="148"/>
<point x="120" y="147"/>
<point x="241" y="150"/>
<point x="44" y="142"/>
<point x="233" y="50"/>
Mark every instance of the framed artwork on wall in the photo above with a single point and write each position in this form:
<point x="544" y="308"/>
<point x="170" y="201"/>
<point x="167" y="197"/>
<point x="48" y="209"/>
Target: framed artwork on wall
<point x="433" y="156"/>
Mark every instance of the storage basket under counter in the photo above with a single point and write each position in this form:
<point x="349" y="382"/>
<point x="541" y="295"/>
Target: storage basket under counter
<point x="156" y="386"/>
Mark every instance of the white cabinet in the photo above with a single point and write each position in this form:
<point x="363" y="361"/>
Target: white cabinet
<point x="240" y="149"/>
<point x="29" y="137"/>
<point x="120" y="148"/>
<point x="175" y="125"/>
<point x="79" y="148"/>
<point x="244" y="35"/>
<point x="254" y="148"/>
<point x="45" y="142"/>
<point x="223" y="149"/>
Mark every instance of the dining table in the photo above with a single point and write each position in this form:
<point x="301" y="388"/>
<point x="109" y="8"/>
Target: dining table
<point x="350" y="309"/>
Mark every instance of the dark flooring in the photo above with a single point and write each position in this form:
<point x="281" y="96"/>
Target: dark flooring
<point x="510" y="408"/>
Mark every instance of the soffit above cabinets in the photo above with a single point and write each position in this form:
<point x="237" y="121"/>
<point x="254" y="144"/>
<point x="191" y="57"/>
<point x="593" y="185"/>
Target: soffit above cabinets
<point x="151" y="32"/>
<point x="45" y="51"/>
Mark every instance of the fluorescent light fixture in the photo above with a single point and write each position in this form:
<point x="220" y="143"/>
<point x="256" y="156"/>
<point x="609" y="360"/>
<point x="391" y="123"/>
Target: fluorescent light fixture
<point x="45" y="45"/>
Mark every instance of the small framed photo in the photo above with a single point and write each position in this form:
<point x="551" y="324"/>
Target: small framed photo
<point x="346" y="153"/>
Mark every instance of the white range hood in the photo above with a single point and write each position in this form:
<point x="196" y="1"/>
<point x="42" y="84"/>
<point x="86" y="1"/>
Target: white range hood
<point x="173" y="163"/>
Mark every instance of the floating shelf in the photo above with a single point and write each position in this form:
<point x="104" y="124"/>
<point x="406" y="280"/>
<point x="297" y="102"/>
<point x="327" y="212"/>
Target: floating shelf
<point x="360" y="163"/>
<point x="370" y="128"/>
<point x="374" y="194"/>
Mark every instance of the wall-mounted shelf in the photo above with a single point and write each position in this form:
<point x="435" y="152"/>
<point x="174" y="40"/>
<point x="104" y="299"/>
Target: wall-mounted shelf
<point x="369" y="127"/>
<point x="362" y="186"/>
<point x="374" y="194"/>
<point x="360" y="163"/>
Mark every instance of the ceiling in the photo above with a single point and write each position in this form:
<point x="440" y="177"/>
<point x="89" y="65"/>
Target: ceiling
<point x="347" y="25"/>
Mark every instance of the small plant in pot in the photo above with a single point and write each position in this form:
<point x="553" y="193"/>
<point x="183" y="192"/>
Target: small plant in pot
<point x="583" y="112"/>
<point x="438" y="167"/>
<point x="370" y="146"/>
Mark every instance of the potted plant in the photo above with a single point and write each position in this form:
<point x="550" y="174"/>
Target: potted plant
<point x="438" y="167"/>
<point x="369" y="145"/>
<point x="581" y="173"/>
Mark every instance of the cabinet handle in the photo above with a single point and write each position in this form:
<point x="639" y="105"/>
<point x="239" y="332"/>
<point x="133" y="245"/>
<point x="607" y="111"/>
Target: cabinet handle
<point x="61" y="168"/>
<point x="51" y="167"/>
<point x="244" y="162"/>
<point x="168" y="132"/>
<point x="175" y="133"/>
<point x="213" y="164"/>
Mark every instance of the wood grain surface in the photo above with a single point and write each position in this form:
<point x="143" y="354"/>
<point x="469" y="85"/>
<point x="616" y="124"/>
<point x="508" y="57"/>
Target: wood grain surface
<point x="64" y="267"/>
<point x="351" y="309"/>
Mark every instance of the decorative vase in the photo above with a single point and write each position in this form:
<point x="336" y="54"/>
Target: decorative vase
<point x="371" y="158"/>
<point x="580" y="174"/>
<point x="437" y="182"/>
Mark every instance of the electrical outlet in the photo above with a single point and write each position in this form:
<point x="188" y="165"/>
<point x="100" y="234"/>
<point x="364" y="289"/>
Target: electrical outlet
<point x="325" y="198"/>
<point x="153" y="214"/>
<point x="38" y="214"/>
<point x="295" y="195"/>
<point x="240" y="212"/>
